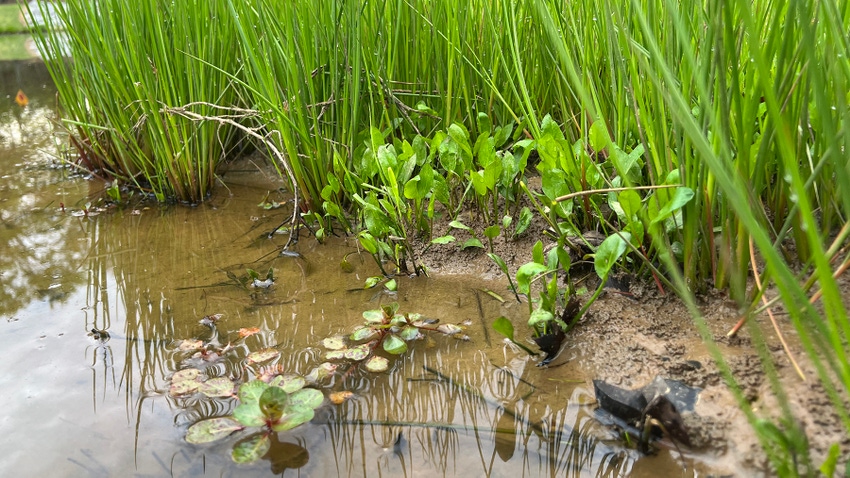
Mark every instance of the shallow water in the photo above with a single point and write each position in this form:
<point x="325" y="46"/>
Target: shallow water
<point x="74" y="405"/>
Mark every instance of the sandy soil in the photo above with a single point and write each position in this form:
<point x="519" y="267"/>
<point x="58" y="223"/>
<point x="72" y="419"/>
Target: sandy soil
<point x="627" y="340"/>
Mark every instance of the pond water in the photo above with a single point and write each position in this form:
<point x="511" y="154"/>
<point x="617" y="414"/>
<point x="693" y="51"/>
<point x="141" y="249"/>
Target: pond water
<point x="77" y="402"/>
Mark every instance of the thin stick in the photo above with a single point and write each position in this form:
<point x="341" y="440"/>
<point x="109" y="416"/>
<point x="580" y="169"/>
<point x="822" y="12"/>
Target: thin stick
<point x="230" y="120"/>
<point x="613" y="190"/>
<point x="757" y="278"/>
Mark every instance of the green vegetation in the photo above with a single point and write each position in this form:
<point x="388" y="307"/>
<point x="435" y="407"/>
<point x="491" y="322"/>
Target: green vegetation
<point x="10" y="19"/>
<point x="692" y="132"/>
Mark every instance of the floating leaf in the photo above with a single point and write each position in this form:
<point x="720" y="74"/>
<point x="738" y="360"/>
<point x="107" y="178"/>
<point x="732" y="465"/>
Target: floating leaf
<point x="363" y="334"/>
<point x="375" y="316"/>
<point x="273" y="402"/>
<point x="321" y="372"/>
<point x="190" y="345"/>
<point x="391" y="285"/>
<point x="335" y="354"/>
<point x="338" y="398"/>
<point x="294" y="418"/>
<point x="377" y="364"/>
<point x="211" y="319"/>
<point x="292" y="383"/>
<point x="410" y="333"/>
<point x="250" y="392"/>
<point x="217" y="387"/>
<point x="211" y="430"/>
<point x="249" y="331"/>
<point x="333" y="343"/>
<point x="306" y="397"/>
<point x="262" y="355"/>
<point x="449" y="329"/>
<point x="21" y="99"/>
<point x="249" y="414"/>
<point x="185" y="374"/>
<point x="184" y="382"/>
<point x="394" y="345"/>
<point x="358" y="353"/>
<point x="184" y="387"/>
<point x="252" y="448"/>
<point x="372" y="282"/>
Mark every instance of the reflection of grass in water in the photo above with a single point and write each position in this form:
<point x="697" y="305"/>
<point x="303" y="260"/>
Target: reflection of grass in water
<point x="14" y="47"/>
<point x="470" y="417"/>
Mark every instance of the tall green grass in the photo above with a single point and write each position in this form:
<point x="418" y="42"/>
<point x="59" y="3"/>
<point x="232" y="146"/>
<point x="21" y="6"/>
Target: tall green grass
<point x="128" y="62"/>
<point x="744" y="103"/>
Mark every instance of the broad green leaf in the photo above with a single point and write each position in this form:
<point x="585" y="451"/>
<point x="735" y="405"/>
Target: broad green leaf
<point x="443" y="240"/>
<point x="394" y="345"/>
<point x="409" y="333"/>
<point x="537" y="252"/>
<point x="251" y="449"/>
<point x="539" y="318"/>
<point x="292" y="383"/>
<point x="292" y="419"/>
<point x="499" y="262"/>
<point x="250" y="392"/>
<point x="680" y="197"/>
<point x="502" y="133"/>
<point x="377" y="364"/>
<point x="305" y="398"/>
<point x="526" y="273"/>
<point x="368" y="242"/>
<point x="599" y="139"/>
<point x="249" y="414"/>
<point x="372" y="282"/>
<point x="207" y="431"/>
<point x="272" y="403"/>
<point x="217" y="387"/>
<point x="492" y="232"/>
<point x="391" y="285"/>
<point x="630" y="203"/>
<point x="485" y="126"/>
<point x="523" y="222"/>
<point x="478" y="182"/>
<point x="363" y="334"/>
<point x="505" y="327"/>
<point x="473" y="242"/>
<point x="374" y="316"/>
<point x="460" y="225"/>
<point x="607" y="254"/>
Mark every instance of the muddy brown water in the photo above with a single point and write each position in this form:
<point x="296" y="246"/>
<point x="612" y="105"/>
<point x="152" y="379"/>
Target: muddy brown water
<point x="73" y="405"/>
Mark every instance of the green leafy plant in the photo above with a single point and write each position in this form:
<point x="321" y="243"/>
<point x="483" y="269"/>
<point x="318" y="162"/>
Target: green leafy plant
<point x="386" y="330"/>
<point x="278" y="406"/>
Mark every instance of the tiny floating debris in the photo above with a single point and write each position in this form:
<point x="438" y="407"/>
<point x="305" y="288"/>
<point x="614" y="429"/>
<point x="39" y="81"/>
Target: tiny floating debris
<point x="658" y="404"/>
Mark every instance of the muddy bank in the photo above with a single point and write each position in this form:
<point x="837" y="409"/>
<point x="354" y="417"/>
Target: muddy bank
<point x="629" y="339"/>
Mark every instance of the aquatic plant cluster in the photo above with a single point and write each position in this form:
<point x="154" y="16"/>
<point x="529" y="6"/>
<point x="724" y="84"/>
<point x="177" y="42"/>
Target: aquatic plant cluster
<point x="697" y="134"/>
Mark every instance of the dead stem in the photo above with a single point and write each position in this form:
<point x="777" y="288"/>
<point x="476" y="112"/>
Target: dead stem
<point x="232" y="120"/>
